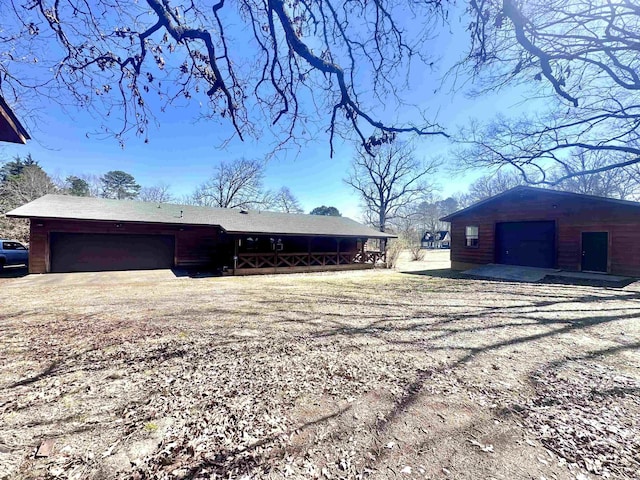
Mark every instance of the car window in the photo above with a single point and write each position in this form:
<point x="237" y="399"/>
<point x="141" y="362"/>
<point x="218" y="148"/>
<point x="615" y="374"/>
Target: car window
<point x="13" y="246"/>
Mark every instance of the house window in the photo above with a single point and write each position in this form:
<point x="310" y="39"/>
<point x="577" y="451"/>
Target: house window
<point x="252" y="244"/>
<point x="471" y="235"/>
<point x="276" y="244"/>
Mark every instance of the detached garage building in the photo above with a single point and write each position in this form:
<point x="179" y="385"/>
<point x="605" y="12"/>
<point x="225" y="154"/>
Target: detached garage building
<point x="72" y="234"/>
<point x="550" y="229"/>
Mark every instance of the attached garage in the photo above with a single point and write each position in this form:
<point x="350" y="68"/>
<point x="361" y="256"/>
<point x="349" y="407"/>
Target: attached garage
<point x="531" y="244"/>
<point x="548" y="228"/>
<point x="90" y="252"/>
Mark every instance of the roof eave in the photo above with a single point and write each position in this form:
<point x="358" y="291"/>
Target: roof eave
<point x="77" y="219"/>
<point x="314" y="234"/>
<point x="11" y="130"/>
<point x="212" y="225"/>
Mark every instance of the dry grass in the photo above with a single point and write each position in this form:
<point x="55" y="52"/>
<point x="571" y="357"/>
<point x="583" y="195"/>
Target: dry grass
<point x="374" y="374"/>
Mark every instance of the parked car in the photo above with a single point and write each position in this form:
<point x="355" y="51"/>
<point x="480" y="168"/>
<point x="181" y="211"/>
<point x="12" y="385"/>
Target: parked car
<point x="13" y="253"/>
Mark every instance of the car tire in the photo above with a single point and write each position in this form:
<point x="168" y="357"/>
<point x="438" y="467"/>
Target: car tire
<point x="1" y="264"/>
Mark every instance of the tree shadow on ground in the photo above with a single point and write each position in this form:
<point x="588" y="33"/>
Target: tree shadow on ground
<point x="246" y="460"/>
<point x="49" y="370"/>
<point x="440" y="273"/>
<point x="589" y="304"/>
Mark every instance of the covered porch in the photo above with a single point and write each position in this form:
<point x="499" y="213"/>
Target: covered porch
<point x="260" y="254"/>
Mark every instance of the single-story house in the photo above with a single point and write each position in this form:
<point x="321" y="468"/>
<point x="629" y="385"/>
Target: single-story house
<point x="547" y="228"/>
<point x="71" y="234"/>
<point x="439" y="239"/>
<point x="11" y="130"/>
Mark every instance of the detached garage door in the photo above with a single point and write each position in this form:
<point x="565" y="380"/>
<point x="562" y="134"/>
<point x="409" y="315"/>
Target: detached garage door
<point x="530" y="244"/>
<point x="84" y="252"/>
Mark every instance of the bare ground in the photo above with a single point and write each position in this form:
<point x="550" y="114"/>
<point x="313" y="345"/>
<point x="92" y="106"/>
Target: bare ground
<point x="417" y="373"/>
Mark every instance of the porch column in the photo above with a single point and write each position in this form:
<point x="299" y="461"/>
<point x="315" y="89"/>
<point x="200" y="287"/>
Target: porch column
<point x="236" y="241"/>
<point x="383" y="249"/>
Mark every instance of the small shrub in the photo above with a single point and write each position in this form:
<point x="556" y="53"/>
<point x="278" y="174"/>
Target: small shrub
<point x="417" y="253"/>
<point x="394" y="248"/>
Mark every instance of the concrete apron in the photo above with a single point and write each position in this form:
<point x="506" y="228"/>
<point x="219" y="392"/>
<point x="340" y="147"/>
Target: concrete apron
<point x="533" y="274"/>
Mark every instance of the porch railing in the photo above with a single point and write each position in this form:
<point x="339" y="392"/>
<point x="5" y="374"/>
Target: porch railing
<point x="279" y="259"/>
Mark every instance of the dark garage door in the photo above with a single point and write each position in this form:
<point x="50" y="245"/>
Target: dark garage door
<point x="84" y="252"/>
<point x="530" y="244"/>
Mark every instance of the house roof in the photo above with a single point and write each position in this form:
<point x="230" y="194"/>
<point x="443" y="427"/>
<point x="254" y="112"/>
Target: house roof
<point x="523" y="188"/>
<point x="11" y="130"/>
<point x="233" y="221"/>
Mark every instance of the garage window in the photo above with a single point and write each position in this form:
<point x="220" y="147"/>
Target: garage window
<point x="471" y="236"/>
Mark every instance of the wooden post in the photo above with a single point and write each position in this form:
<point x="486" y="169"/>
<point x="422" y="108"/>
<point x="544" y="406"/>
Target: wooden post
<point x="383" y="249"/>
<point x="236" y="241"/>
<point x="309" y="251"/>
<point x="338" y="251"/>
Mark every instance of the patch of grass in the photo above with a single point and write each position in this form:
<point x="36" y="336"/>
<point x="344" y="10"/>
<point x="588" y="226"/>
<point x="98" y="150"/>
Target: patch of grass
<point x="151" y="427"/>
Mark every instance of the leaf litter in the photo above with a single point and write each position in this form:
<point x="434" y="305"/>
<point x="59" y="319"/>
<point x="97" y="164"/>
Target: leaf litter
<point x="160" y="395"/>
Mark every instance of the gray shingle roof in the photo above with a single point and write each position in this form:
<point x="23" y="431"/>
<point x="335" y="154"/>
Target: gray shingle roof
<point x="233" y="221"/>
<point x="546" y="191"/>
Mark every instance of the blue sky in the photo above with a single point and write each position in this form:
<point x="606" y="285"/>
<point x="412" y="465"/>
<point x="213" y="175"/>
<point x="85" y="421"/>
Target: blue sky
<point x="183" y="152"/>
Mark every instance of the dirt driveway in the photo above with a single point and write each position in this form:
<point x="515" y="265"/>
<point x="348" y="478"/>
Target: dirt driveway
<point x="414" y="373"/>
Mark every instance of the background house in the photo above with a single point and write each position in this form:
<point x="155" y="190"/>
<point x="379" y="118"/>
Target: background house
<point x="547" y="228"/>
<point x="71" y="234"/>
<point x="439" y="239"/>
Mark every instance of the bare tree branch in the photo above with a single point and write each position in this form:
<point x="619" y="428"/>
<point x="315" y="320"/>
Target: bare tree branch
<point x="584" y="58"/>
<point x="298" y="66"/>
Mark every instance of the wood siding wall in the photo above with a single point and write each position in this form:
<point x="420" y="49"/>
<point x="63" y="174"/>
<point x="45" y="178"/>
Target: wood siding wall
<point x="38" y="249"/>
<point x="194" y="245"/>
<point x="197" y="246"/>
<point x="573" y="215"/>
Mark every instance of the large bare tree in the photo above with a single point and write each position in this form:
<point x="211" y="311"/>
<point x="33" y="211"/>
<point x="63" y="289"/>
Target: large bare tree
<point x="286" y="63"/>
<point x="622" y="183"/>
<point x="583" y="59"/>
<point x="234" y="184"/>
<point x="389" y="180"/>
<point x="427" y="214"/>
<point x="490" y="185"/>
<point x="160" y="193"/>
<point x="284" y="200"/>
